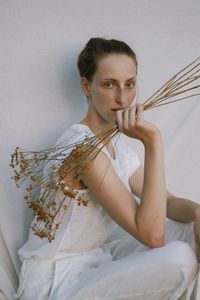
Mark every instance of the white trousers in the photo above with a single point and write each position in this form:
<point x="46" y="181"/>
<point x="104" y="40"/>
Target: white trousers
<point x="122" y="269"/>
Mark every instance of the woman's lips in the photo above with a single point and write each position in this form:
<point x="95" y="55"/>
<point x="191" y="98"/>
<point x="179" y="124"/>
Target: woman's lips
<point x="116" y="109"/>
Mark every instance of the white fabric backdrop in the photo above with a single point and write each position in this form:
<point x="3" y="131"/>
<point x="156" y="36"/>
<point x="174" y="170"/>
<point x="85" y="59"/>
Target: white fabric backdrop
<point x="40" y="95"/>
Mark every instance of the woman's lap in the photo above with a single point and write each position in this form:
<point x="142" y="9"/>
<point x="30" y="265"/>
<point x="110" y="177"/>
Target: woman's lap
<point x="154" y="274"/>
<point x="126" y="269"/>
<point x="137" y="272"/>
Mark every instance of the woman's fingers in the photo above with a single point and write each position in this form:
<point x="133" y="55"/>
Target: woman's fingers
<point x="139" y="112"/>
<point x="119" y="118"/>
<point x="132" y="116"/>
<point x="130" y="121"/>
<point x="126" y="118"/>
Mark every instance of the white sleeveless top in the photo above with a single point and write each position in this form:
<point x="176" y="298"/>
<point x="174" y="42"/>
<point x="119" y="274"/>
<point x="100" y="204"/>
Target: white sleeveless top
<point x="84" y="227"/>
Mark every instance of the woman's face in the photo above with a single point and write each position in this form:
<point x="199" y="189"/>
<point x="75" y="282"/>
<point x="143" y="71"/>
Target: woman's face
<point x="113" y="87"/>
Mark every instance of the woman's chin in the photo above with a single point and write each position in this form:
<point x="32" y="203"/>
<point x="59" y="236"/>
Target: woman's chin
<point x="112" y="118"/>
<point x="109" y="118"/>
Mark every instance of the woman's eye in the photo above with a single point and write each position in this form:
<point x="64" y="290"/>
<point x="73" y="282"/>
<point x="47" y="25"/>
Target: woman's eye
<point x="131" y="85"/>
<point x="108" y="85"/>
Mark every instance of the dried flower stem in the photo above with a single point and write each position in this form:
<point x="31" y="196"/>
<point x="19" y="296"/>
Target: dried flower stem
<point x="179" y="84"/>
<point x="42" y="193"/>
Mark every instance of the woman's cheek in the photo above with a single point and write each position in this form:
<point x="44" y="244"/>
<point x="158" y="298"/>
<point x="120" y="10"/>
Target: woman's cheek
<point x="132" y="95"/>
<point x="106" y="96"/>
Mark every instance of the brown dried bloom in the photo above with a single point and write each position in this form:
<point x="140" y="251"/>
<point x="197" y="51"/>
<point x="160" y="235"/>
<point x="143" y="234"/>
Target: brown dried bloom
<point x="46" y="178"/>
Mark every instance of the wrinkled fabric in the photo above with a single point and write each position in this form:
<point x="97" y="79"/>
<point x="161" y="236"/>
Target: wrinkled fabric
<point x="82" y="264"/>
<point x="120" y="269"/>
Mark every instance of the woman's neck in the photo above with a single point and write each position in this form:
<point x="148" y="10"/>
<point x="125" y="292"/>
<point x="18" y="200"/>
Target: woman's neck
<point x="94" y="126"/>
<point x="93" y="123"/>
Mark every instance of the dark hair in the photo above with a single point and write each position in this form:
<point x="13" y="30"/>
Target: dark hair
<point x="97" y="48"/>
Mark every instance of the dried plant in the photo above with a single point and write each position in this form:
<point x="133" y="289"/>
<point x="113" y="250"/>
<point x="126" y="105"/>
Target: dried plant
<point x="179" y="87"/>
<point x="46" y="169"/>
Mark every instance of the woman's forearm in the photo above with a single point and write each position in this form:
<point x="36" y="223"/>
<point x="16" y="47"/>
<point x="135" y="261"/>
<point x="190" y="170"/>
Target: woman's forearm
<point x="181" y="209"/>
<point x="151" y="213"/>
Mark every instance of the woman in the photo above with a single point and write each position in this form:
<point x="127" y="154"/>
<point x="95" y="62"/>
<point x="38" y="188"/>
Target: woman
<point x="155" y="259"/>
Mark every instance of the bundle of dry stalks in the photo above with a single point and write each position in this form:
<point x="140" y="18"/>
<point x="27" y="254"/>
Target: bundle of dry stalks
<point x="179" y="87"/>
<point x="46" y="169"/>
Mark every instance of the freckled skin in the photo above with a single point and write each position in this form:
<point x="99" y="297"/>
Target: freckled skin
<point x="112" y="87"/>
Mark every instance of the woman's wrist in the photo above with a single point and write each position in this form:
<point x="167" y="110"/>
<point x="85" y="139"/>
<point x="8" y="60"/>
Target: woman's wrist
<point x="153" y="142"/>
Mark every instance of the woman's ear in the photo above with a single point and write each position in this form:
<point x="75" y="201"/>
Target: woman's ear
<point x="85" y="86"/>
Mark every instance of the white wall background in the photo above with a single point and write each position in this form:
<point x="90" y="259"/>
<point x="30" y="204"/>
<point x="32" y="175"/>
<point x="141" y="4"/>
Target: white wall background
<point x="40" y="94"/>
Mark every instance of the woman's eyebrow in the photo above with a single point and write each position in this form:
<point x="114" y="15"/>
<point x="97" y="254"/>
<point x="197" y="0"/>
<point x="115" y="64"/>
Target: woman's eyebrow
<point x="113" y="79"/>
<point x="132" y="78"/>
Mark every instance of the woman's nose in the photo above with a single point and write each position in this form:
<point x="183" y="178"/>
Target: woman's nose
<point x="120" y="96"/>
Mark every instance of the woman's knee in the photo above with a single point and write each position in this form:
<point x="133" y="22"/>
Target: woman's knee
<point x="182" y="257"/>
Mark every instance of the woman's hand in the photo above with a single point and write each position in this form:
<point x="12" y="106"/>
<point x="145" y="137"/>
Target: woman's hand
<point x="131" y="123"/>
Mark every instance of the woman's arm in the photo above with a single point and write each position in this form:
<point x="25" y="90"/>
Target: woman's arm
<point x="146" y="221"/>
<point x="178" y="209"/>
<point x="184" y="210"/>
<point x="181" y="209"/>
<point x="152" y="209"/>
<point x="120" y="204"/>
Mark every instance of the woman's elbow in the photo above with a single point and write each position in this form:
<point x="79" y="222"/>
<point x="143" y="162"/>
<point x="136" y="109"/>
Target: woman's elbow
<point x="153" y="240"/>
<point x="156" y="242"/>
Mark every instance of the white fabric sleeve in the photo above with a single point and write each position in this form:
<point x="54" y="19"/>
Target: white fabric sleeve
<point x="134" y="161"/>
<point x="129" y="159"/>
